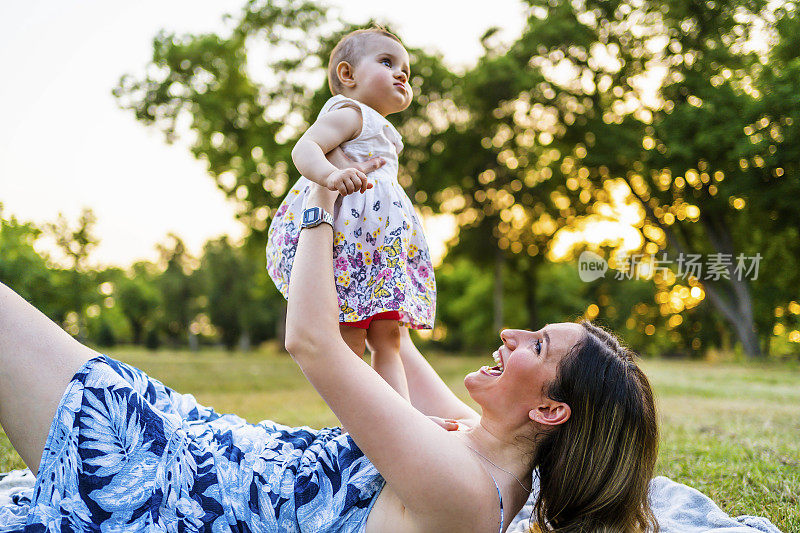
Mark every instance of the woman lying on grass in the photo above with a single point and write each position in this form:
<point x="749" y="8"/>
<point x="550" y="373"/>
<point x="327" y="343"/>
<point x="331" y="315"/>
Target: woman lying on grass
<point x="114" y="448"/>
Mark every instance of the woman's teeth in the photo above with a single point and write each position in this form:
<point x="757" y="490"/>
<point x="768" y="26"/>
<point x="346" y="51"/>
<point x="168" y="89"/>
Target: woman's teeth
<point x="498" y="360"/>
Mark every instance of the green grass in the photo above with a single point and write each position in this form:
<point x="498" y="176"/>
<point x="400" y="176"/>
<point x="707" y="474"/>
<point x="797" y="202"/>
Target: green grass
<point x="730" y="430"/>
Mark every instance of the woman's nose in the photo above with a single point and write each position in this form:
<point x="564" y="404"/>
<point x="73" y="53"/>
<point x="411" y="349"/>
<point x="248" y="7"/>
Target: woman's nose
<point x="509" y="337"/>
<point x="401" y="75"/>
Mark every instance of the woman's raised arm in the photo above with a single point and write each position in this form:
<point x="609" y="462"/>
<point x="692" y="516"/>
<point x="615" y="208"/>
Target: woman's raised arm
<point x="431" y="471"/>
<point x="427" y="391"/>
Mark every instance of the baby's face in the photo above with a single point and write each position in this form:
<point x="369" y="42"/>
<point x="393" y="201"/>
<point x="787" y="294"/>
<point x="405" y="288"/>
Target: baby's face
<point x="381" y="76"/>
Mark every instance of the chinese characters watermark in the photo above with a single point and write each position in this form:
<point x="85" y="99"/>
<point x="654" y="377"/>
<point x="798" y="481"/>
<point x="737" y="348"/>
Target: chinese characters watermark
<point x="712" y="267"/>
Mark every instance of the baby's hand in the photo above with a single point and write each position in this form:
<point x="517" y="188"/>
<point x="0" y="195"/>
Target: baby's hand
<point x="446" y="423"/>
<point x="347" y="181"/>
<point x="451" y="424"/>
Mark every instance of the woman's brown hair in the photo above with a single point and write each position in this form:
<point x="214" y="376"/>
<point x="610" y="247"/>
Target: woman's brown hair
<point x="595" y="469"/>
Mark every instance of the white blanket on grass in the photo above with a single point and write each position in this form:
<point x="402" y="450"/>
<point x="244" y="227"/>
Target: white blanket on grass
<point x="678" y="508"/>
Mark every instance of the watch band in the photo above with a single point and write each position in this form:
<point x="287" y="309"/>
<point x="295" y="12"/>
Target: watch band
<point x="314" y="216"/>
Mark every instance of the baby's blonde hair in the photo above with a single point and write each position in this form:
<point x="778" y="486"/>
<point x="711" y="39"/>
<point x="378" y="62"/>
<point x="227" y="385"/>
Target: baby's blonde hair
<point x="350" y="48"/>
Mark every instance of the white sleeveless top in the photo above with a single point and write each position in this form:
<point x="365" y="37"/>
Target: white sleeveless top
<point x="381" y="258"/>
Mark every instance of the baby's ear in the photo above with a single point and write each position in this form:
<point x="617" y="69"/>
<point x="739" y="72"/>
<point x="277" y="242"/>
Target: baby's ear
<point x="345" y="73"/>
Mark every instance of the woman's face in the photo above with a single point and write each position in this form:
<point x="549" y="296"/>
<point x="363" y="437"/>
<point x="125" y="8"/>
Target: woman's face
<point x="526" y="363"/>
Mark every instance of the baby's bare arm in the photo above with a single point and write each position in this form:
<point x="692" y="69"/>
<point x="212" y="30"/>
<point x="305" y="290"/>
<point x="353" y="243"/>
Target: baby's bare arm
<point x="331" y="130"/>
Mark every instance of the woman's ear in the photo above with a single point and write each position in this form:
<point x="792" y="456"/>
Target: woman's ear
<point x="346" y="74"/>
<point x="551" y="413"/>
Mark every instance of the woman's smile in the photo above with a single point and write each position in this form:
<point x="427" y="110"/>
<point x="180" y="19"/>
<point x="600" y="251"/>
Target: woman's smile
<point x="524" y="363"/>
<point x="496" y="370"/>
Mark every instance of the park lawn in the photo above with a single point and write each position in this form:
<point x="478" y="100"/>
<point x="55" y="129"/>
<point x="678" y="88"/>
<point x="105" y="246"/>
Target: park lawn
<point x="730" y="430"/>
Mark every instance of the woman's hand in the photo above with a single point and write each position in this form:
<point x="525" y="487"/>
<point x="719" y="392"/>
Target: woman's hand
<point x="319" y="196"/>
<point x="338" y="159"/>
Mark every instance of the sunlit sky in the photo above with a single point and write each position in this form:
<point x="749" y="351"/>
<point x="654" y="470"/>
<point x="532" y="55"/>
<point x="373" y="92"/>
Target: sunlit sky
<point x="65" y="145"/>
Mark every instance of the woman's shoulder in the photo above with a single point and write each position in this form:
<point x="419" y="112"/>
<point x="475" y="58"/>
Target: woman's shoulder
<point x="472" y="515"/>
<point x="463" y="498"/>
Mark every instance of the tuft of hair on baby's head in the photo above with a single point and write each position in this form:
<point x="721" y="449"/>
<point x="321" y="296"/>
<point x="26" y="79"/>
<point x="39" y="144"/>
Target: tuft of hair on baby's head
<point x="351" y="48"/>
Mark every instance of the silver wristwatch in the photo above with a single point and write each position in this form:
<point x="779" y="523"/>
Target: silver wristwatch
<point x="314" y="216"/>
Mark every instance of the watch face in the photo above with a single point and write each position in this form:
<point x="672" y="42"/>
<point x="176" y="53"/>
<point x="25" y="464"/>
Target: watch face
<point x="311" y="215"/>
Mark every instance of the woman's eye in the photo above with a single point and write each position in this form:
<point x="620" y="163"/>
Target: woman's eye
<point x="538" y="346"/>
<point x="386" y="61"/>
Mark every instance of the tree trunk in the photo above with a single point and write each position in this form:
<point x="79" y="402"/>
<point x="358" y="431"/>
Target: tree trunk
<point x="194" y="343"/>
<point x="244" y="341"/>
<point x="730" y="297"/>
<point x="280" y="326"/>
<point x="741" y="320"/>
<point x="738" y="290"/>
<point x="497" y="295"/>
<point x="748" y="336"/>
<point x="530" y="282"/>
<point x="138" y="330"/>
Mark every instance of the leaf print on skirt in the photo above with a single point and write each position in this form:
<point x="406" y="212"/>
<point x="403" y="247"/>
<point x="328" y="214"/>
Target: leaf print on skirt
<point x="109" y="431"/>
<point x="113" y="443"/>
<point x="126" y="453"/>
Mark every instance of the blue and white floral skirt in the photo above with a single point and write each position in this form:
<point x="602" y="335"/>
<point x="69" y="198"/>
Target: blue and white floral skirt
<point x="126" y="453"/>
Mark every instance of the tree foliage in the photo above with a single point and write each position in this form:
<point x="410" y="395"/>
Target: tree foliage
<point x="576" y="103"/>
<point x="690" y="107"/>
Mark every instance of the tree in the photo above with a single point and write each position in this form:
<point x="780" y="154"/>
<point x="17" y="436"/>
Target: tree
<point x="243" y="124"/>
<point x="665" y="99"/>
<point x="584" y="116"/>
<point x="502" y="203"/>
<point x="177" y="288"/>
<point x="137" y="295"/>
<point x="76" y="244"/>
<point x="245" y="117"/>
<point x="466" y="290"/>
<point x="238" y="305"/>
<point x="26" y="271"/>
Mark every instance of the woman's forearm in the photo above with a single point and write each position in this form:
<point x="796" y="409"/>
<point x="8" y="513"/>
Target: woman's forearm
<point x="427" y="392"/>
<point x="313" y="310"/>
<point x="338" y="159"/>
<point x="313" y="263"/>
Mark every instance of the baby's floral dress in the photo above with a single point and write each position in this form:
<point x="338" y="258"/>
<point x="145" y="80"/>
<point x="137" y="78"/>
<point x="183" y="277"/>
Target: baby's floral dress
<point x="381" y="260"/>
